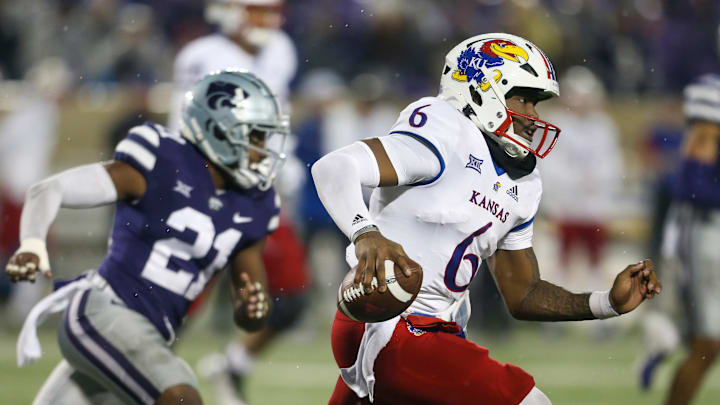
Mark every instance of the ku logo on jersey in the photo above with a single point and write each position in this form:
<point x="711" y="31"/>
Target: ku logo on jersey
<point x="215" y="204"/>
<point x="474" y="163"/>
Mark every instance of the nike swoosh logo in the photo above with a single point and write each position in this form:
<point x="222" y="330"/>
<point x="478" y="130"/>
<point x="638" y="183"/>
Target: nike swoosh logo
<point x="240" y="219"/>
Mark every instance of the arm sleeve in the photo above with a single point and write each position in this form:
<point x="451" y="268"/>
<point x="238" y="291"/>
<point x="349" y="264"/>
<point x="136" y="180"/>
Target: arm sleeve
<point x="338" y="178"/>
<point x="81" y="187"/>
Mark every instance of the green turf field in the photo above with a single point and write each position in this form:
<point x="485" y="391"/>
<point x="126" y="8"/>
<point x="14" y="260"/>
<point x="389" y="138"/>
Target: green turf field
<point x="570" y="367"/>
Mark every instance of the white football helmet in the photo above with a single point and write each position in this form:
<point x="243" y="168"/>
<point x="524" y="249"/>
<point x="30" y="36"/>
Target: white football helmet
<point x="481" y="71"/>
<point x="231" y="16"/>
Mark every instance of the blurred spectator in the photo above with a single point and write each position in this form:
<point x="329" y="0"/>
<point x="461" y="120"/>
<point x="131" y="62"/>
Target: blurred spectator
<point x="339" y="115"/>
<point x="660" y="151"/>
<point x="584" y="174"/>
<point x="9" y="46"/>
<point x="28" y="135"/>
<point x="320" y="90"/>
<point x="133" y="51"/>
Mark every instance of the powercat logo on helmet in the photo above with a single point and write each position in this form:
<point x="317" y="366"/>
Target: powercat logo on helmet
<point x="224" y="94"/>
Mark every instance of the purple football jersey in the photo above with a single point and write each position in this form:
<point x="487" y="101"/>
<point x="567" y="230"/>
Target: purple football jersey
<point x="168" y="244"/>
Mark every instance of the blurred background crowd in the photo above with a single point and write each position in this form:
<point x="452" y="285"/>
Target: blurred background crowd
<point x="75" y="73"/>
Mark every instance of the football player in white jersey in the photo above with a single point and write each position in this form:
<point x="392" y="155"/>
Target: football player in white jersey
<point x="457" y="184"/>
<point x="250" y="38"/>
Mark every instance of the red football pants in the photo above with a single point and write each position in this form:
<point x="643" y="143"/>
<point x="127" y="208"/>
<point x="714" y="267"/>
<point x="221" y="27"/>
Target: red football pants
<point x="433" y="368"/>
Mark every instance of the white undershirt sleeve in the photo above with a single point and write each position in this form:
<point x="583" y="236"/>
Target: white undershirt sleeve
<point x="80" y="187"/>
<point x="413" y="161"/>
<point x="338" y="178"/>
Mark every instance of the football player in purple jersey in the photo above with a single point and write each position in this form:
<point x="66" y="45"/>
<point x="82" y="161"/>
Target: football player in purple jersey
<point x="187" y="204"/>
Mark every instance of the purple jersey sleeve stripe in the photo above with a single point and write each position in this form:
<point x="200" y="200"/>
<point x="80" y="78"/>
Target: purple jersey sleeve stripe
<point x="71" y="327"/>
<point x="134" y="153"/>
<point x="523" y="225"/>
<point x="432" y="148"/>
<point x="114" y="352"/>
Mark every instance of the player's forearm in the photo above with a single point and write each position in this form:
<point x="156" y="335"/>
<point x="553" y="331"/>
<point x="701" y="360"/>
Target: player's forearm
<point x="339" y="177"/>
<point x="81" y="187"/>
<point x="548" y="302"/>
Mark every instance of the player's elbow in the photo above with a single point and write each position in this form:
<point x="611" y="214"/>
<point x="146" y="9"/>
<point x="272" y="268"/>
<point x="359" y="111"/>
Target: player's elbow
<point x="520" y="314"/>
<point x="43" y="187"/>
<point x="517" y="310"/>
<point x="323" y="168"/>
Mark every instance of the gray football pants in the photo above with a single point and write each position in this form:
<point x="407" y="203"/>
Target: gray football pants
<point x="113" y="355"/>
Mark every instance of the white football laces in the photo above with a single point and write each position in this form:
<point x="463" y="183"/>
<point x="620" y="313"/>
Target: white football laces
<point x="353" y="293"/>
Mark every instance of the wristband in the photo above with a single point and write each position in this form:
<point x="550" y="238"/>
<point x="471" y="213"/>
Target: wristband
<point x="364" y="230"/>
<point x="37" y="247"/>
<point x="600" y="305"/>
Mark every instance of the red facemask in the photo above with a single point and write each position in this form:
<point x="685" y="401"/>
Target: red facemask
<point x="541" y="143"/>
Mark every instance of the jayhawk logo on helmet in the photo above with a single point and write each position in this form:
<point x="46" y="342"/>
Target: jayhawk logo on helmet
<point x="492" y="53"/>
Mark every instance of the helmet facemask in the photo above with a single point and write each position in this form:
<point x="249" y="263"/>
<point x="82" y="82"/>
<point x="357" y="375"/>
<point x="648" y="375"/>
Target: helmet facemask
<point x="482" y="71"/>
<point x="522" y="134"/>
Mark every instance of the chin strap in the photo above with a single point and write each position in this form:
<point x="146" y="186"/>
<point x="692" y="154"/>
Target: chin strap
<point x="515" y="168"/>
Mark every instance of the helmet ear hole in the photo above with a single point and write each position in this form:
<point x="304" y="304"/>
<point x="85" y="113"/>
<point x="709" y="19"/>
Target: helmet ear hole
<point x="218" y="133"/>
<point x="476" y="98"/>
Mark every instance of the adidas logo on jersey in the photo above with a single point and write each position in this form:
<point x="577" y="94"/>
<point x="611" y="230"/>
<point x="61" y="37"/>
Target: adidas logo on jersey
<point x="358" y="218"/>
<point x="513" y="192"/>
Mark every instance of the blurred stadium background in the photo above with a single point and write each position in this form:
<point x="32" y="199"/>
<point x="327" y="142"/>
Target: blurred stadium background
<point x="75" y="72"/>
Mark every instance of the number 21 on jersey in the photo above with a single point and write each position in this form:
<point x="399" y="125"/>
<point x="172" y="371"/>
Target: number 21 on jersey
<point x="180" y="281"/>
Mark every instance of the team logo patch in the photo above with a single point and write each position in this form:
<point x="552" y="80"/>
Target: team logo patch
<point x="223" y="94"/>
<point x="182" y="188"/>
<point x="513" y="192"/>
<point x="497" y="186"/>
<point x="215" y="204"/>
<point x="415" y="331"/>
<point x="474" y="163"/>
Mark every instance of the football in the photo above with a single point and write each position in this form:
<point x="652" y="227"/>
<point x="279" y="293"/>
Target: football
<point x="376" y="306"/>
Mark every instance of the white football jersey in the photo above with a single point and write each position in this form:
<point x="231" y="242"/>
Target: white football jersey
<point x="275" y="63"/>
<point x="450" y="223"/>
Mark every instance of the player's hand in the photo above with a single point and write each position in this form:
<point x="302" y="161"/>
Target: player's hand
<point x="30" y="257"/>
<point x="633" y="285"/>
<point x="372" y="250"/>
<point x="255" y="299"/>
